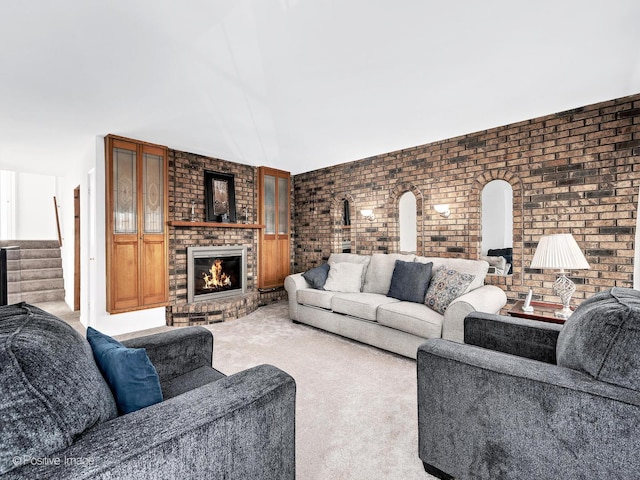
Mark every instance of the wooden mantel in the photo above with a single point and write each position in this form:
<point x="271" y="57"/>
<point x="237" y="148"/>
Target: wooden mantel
<point x="187" y="223"/>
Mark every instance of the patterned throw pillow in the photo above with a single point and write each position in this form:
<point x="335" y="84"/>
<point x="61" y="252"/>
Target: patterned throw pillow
<point x="446" y="286"/>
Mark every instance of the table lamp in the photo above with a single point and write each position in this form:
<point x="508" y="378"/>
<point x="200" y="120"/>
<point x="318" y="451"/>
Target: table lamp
<point x="560" y="252"/>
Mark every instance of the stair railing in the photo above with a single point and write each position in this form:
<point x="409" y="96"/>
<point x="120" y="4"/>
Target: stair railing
<point x="55" y="206"/>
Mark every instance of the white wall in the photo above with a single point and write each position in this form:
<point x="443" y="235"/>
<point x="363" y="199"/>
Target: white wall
<point x="7" y="205"/>
<point x="27" y="211"/>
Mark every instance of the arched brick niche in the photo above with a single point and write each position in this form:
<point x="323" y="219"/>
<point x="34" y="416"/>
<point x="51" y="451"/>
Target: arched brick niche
<point x="393" y="214"/>
<point x="339" y="231"/>
<point x="475" y="223"/>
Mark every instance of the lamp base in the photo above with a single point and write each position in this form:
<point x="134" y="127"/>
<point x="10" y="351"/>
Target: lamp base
<point x="564" y="288"/>
<point x="564" y="313"/>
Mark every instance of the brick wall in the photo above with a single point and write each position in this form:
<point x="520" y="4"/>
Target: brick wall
<point x="576" y="171"/>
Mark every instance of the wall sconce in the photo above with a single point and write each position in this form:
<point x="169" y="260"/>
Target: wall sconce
<point x="368" y="215"/>
<point x="443" y="209"/>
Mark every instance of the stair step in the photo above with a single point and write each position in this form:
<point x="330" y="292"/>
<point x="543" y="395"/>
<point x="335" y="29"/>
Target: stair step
<point x="39" y="285"/>
<point x="30" y="243"/>
<point x="40" y="273"/>
<point x="40" y="263"/>
<point x="43" y="296"/>
<point x="29" y="253"/>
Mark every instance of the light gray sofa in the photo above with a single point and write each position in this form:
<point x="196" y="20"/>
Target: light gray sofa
<point x="59" y="419"/>
<point x="371" y="317"/>
<point x="531" y="400"/>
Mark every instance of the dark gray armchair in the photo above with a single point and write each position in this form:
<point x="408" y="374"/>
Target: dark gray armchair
<point x="58" y="419"/>
<point x="535" y="401"/>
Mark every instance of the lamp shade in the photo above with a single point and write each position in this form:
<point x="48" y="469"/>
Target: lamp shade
<point x="559" y="252"/>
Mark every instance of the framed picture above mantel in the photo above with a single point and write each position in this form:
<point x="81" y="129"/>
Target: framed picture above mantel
<point x="220" y="197"/>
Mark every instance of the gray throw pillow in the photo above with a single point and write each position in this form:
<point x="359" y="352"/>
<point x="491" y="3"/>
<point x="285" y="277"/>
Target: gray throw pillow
<point x="602" y="338"/>
<point x="410" y="281"/>
<point x="446" y="285"/>
<point x="50" y="388"/>
<point x="316" y="277"/>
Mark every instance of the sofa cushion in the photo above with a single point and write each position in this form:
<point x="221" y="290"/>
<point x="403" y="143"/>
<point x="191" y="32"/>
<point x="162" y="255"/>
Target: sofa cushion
<point x="130" y="374"/>
<point x="602" y="338"/>
<point x="477" y="268"/>
<point x="315" y="298"/>
<point x="414" y="318"/>
<point x="344" y="277"/>
<point x="447" y="285"/>
<point x="351" y="258"/>
<point x="410" y="281"/>
<point x="50" y="387"/>
<point x="316" y="277"/>
<point x="361" y="305"/>
<point x="380" y="271"/>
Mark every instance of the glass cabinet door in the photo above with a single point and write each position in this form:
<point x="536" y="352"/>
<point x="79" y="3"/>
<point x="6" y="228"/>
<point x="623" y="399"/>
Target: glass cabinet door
<point x="269" y="204"/>
<point x="125" y="217"/>
<point x="153" y="193"/>
<point x="283" y="206"/>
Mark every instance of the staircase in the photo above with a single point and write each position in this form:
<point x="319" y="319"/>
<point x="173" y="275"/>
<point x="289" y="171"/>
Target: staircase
<point x="34" y="271"/>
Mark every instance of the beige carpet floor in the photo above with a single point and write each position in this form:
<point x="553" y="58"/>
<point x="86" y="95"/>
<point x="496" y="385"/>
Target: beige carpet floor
<point x="356" y="413"/>
<point x="356" y="408"/>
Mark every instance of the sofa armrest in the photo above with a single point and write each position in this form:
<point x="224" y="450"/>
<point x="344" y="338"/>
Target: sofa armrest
<point x="487" y="298"/>
<point x="177" y="351"/>
<point x="517" y="336"/>
<point x="242" y="426"/>
<point x="293" y="283"/>
<point x="483" y="414"/>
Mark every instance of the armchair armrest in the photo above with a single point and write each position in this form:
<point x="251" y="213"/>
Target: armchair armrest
<point x="242" y="426"/>
<point x="487" y="298"/>
<point x="485" y="415"/>
<point x="517" y="336"/>
<point x="177" y="351"/>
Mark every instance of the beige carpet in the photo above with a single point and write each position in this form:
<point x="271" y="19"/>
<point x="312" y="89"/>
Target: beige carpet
<point x="356" y="415"/>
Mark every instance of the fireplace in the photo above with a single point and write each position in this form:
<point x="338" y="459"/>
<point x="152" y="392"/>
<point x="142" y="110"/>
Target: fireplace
<point x="216" y="272"/>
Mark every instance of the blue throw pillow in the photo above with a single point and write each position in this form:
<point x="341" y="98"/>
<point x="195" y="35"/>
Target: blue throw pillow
<point x="129" y="373"/>
<point x="410" y="281"/>
<point x="317" y="277"/>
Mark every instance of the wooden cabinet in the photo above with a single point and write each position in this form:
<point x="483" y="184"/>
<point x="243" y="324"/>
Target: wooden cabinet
<point x="274" y="214"/>
<point x="137" y="241"/>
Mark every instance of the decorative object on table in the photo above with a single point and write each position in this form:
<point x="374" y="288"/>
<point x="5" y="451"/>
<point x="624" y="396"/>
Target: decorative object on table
<point x="527" y="302"/>
<point x="220" y="197"/>
<point x="560" y="252"/>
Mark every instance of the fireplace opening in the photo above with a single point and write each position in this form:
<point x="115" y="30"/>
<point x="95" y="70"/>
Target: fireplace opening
<point x="216" y="272"/>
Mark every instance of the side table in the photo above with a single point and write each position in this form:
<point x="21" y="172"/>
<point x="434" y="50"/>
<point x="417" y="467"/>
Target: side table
<point x="542" y="311"/>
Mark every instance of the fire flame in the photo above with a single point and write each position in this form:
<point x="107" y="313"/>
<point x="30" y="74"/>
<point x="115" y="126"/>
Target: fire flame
<point x="218" y="278"/>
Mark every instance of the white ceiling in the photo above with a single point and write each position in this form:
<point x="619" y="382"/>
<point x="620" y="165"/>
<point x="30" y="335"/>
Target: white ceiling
<point x="297" y="84"/>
